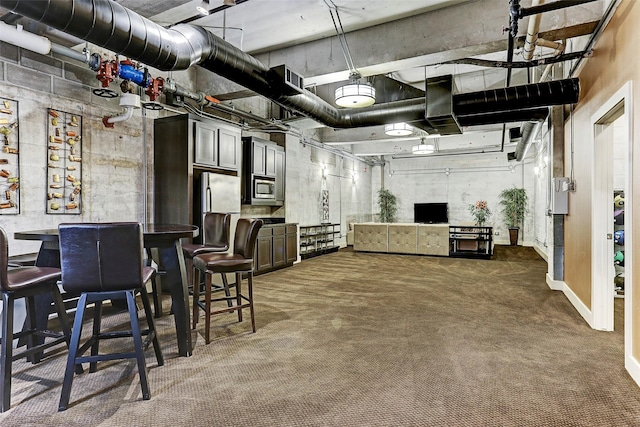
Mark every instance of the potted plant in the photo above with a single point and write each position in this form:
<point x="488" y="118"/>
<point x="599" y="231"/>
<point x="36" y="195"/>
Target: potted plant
<point x="388" y="205"/>
<point x="480" y="212"/>
<point x="514" y="207"/>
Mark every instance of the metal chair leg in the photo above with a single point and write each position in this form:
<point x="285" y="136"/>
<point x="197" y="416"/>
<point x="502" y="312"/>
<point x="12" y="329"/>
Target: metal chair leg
<point x="6" y="347"/>
<point x="152" y="328"/>
<point x="137" y="342"/>
<point x="73" y="351"/>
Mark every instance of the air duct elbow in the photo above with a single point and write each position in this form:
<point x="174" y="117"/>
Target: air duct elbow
<point x="528" y="130"/>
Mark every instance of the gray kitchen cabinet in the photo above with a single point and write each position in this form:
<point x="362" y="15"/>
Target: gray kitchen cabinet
<point x="280" y="174"/>
<point x="263" y="258"/>
<point x="206" y="144"/>
<point x="216" y="145"/>
<point x="276" y="247"/>
<point x="291" y="243"/>
<point x="270" y="160"/>
<point x="229" y="148"/>
<point x="184" y="146"/>
<point x="259" y="158"/>
<point x="279" y="256"/>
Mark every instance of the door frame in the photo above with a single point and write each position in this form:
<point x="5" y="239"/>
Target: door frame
<point x="602" y="295"/>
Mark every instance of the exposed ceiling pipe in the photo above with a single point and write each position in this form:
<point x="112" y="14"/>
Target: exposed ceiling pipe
<point x="17" y="36"/>
<point x="528" y="130"/>
<point x="110" y="25"/>
<point x="532" y="33"/>
<point x="128" y="101"/>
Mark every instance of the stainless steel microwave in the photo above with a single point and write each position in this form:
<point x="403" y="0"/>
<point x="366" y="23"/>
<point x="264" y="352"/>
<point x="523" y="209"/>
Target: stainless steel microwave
<point x="264" y="188"/>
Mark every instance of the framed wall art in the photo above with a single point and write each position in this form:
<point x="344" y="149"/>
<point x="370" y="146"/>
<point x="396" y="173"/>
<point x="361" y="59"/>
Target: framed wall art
<point x="64" y="162"/>
<point x="9" y="157"/>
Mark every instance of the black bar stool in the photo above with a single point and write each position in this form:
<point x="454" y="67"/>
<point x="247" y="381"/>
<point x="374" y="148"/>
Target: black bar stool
<point x="239" y="262"/>
<point x="216" y="238"/>
<point x="105" y="262"/>
<point x="25" y="283"/>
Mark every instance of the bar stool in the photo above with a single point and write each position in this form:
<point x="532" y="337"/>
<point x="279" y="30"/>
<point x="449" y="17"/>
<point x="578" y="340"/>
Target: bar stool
<point x="25" y="283"/>
<point x="216" y="231"/>
<point x="239" y="262"/>
<point x="105" y="262"/>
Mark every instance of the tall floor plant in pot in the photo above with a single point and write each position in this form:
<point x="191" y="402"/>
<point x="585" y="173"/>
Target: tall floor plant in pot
<point x="388" y="205"/>
<point x="514" y="207"/>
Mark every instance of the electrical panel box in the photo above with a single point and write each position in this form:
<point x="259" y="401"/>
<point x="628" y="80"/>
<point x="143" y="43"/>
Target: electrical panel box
<point x="560" y="196"/>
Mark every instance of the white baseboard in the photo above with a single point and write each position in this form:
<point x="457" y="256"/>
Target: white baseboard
<point x="556" y="285"/>
<point x="586" y="314"/>
<point x="542" y="252"/>
<point x="633" y="367"/>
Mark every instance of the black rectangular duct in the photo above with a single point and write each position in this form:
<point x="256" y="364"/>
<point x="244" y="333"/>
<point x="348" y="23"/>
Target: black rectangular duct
<point x="439" y="105"/>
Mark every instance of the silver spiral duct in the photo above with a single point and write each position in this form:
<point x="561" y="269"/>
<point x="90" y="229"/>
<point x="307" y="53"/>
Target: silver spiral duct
<point x="112" y="26"/>
<point x="529" y="130"/>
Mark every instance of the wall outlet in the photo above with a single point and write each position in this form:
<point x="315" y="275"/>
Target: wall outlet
<point x="496" y="233"/>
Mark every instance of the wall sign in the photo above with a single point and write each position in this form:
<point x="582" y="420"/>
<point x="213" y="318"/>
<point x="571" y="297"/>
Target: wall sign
<point x="9" y="157"/>
<point x="64" y="162"/>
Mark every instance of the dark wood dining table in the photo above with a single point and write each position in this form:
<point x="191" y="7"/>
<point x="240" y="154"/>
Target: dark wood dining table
<point x="164" y="240"/>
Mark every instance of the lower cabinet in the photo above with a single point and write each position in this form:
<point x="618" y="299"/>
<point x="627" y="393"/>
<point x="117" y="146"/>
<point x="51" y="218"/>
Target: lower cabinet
<point x="291" y="243"/>
<point x="264" y="249"/>
<point x="276" y="247"/>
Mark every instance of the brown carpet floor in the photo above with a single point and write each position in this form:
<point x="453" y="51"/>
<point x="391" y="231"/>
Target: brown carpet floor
<point x="359" y="339"/>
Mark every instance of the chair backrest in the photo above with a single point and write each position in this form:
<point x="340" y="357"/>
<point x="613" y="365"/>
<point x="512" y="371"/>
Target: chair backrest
<point x="4" y="260"/>
<point x="246" y="235"/>
<point x="217" y="228"/>
<point x="101" y="257"/>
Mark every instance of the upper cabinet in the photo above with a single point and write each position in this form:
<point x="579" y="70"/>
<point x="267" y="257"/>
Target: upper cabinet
<point x="206" y="144"/>
<point x="229" y="149"/>
<point x="258" y="157"/>
<point x="183" y="143"/>
<point x="263" y="172"/>
<point x="280" y="170"/>
<point x="270" y="163"/>
<point x="216" y="145"/>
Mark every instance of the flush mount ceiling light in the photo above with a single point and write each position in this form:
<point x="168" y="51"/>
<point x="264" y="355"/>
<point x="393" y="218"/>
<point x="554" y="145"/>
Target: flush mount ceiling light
<point x="203" y="7"/>
<point x="354" y="94"/>
<point x="398" y="129"/>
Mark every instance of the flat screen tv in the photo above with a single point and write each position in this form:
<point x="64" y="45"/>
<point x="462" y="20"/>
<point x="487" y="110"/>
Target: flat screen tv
<point x="431" y="213"/>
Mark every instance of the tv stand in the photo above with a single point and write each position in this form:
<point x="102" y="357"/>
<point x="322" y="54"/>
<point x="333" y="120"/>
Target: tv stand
<point x="471" y="241"/>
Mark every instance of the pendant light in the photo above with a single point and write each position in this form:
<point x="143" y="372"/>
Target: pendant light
<point x="423" y="148"/>
<point x="354" y="94"/>
<point x="398" y="129"/>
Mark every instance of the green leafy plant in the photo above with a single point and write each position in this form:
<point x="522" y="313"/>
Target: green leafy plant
<point x="514" y="206"/>
<point x="480" y="212"/>
<point x="388" y="205"/>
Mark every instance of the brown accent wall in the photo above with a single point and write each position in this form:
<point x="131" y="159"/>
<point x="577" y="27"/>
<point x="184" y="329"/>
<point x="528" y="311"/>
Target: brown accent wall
<point x="615" y="61"/>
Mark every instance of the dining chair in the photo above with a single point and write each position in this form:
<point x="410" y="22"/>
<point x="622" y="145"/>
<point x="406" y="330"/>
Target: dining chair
<point x="216" y="232"/>
<point x="239" y="262"/>
<point x="105" y="262"/>
<point x="25" y="282"/>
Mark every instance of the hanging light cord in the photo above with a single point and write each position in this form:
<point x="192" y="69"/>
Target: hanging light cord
<point x="342" y="38"/>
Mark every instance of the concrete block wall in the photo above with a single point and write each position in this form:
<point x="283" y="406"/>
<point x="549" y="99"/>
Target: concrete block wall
<point x="460" y="181"/>
<point x="348" y="201"/>
<point x="117" y="169"/>
<point x="115" y="172"/>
